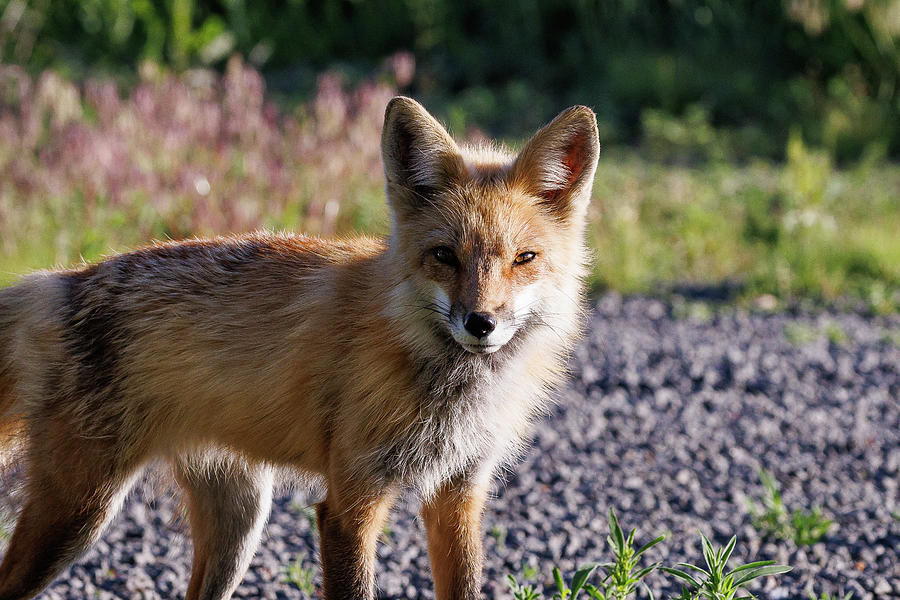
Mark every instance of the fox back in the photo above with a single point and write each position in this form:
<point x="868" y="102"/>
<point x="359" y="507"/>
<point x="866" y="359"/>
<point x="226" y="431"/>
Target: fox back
<point x="418" y="361"/>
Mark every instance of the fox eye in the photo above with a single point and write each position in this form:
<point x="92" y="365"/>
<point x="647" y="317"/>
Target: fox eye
<point x="525" y="257"/>
<point x="445" y="255"/>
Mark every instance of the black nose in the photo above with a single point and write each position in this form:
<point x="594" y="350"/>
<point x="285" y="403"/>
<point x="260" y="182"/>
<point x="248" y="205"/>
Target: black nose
<point x="479" y="324"/>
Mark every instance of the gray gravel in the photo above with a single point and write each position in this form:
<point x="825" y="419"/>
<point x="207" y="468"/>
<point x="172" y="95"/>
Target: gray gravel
<point x="671" y="412"/>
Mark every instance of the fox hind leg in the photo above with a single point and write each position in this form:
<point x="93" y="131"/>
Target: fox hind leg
<point x="74" y="487"/>
<point x="228" y="502"/>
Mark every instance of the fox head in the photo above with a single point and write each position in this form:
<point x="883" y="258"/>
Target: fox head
<point x="490" y="241"/>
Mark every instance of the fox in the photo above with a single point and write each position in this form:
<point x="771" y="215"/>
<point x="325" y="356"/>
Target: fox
<point x="414" y="363"/>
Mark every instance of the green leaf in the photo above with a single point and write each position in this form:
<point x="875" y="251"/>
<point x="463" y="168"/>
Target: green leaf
<point x="696" y="568"/>
<point x="726" y="554"/>
<point x="708" y="553"/>
<point x="594" y="593"/>
<point x="681" y="575"/>
<point x="644" y="572"/>
<point x="557" y="577"/>
<point x="616" y="530"/>
<point x="753" y="565"/>
<point x="760" y="572"/>
<point x="581" y="576"/>
<point x="649" y="545"/>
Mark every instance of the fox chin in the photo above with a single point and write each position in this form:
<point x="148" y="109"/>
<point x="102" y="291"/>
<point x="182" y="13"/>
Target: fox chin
<point x="416" y="362"/>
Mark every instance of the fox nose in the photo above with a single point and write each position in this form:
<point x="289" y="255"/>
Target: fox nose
<point x="479" y="324"/>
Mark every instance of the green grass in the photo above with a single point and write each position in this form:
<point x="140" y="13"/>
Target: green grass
<point x="301" y="576"/>
<point x="308" y="512"/>
<point x="836" y="334"/>
<point x="800" y="229"/>
<point x="800" y="334"/>
<point x="891" y="337"/>
<point x="652" y="226"/>
<point x="827" y="596"/>
<point x="771" y="517"/>
<point x="498" y="532"/>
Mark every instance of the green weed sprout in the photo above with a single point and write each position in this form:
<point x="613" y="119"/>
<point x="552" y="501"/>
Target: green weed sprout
<point x="522" y="592"/>
<point x="498" y="532"/>
<point x="622" y="579"/>
<point x="564" y="592"/>
<point x="809" y="527"/>
<point x="714" y="582"/>
<point x="804" y="527"/>
<point x="622" y="576"/>
<point x="301" y="576"/>
<point x="827" y="596"/>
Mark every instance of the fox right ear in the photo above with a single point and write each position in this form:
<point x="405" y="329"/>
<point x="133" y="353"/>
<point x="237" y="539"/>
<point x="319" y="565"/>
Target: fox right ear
<point x="419" y="155"/>
<point x="558" y="163"/>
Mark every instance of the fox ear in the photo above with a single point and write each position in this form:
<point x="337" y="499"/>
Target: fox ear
<point x="419" y="155"/>
<point x="558" y="163"/>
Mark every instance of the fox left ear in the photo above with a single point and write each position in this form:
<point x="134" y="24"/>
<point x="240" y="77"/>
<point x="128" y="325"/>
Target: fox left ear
<point x="419" y="155"/>
<point x="558" y="163"/>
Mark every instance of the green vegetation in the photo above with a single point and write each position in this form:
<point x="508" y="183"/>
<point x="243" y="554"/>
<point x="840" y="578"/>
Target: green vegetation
<point x="747" y="145"/>
<point x="301" y="576"/>
<point x="836" y="334"/>
<point x="802" y="229"/>
<point x="891" y="337"/>
<point x="522" y="591"/>
<point x="714" y="582"/>
<point x="87" y="172"/>
<point x="801" y="334"/>
<point x="827" y="596"/>
<point x="622" y="576"/>
<point x="308" y="512"/>
<point x="387" y="535"/>
<point x="720" y="79"/>
<point x="498" y="532"/>
<point x="804" y="527"/>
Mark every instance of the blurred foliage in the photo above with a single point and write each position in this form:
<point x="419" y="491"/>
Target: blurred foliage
<point x="695" y="79"/>
<point x="803" y="229"/>
<point x="86" y="170"/>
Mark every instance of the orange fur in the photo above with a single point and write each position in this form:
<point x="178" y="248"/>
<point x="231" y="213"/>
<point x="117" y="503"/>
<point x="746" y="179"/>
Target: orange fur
<point x="453" y="521"/>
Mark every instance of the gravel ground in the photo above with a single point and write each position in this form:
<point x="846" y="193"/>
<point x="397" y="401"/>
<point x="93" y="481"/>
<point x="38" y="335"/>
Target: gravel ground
<point x="672" y="411"/>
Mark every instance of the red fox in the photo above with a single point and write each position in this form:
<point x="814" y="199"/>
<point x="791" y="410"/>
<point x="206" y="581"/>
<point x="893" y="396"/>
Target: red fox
<point x="376" y="365"/>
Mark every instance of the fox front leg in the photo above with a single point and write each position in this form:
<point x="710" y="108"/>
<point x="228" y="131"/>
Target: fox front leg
<point x="348" y="534"/>
<point x="453" y="520"/>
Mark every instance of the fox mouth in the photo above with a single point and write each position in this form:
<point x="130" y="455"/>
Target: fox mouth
<point x="481" y="348"/>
